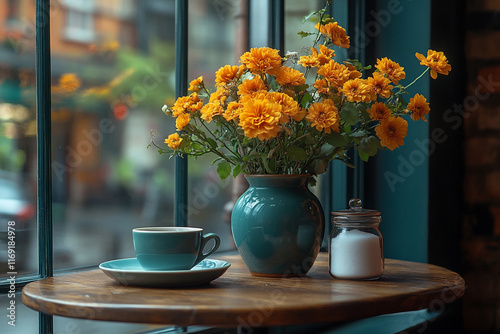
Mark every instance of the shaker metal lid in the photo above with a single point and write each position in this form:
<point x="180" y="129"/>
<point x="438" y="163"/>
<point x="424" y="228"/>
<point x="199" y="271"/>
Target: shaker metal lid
<point x="356" y="210"/>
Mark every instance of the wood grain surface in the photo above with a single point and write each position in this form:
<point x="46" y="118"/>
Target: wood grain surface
<point x="238" y="299"/>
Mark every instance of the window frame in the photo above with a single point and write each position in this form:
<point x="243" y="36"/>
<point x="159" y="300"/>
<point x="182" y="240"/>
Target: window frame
<point x="338" y="189"/>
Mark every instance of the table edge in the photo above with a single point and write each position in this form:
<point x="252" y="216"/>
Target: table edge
<point x="433" y="299"/>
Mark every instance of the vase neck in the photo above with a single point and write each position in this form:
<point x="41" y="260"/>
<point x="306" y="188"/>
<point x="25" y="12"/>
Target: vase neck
<point x="278" y="180"/>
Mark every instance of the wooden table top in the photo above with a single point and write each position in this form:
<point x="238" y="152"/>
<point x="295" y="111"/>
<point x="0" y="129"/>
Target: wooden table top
<point x="239" y="299"/>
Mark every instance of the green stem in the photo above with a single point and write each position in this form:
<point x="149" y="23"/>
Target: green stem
<point x="421" y="75"/>
<point x="224" y="144"/>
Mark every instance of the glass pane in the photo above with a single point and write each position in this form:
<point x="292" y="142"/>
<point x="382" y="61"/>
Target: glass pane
<point x="112" y="70"/>
<point x="217" y="37"/>
<point x="18" y="161"/>
<point x="295" y="11"/>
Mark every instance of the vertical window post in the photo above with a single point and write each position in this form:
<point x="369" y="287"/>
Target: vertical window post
<point x="43" y="108"/>
<point x="277" y="26"/>
<point x="181" y="53"/>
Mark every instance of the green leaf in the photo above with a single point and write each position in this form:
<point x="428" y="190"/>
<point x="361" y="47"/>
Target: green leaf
<point x="269" y="164"/>
<point x="185" y="143"/>
<point x="349" y="114"/>
<point x="361" y="108"/>
<point x="274" y="85"/>
<point x="306" y="98"/>
<point x="303" y="34"/>
<point x="212" y="143"/>
<point x="320" y="167"/>
<point x="356" y="63"/>
<point x="364" y="156"/>
<point x="358" y="133"/>
<point x="300" y="88"/>
<point x="236" y="170"/>
<point x="309" y="140"/>
<point x="296" y="153"/>
<point x="369" y="145"/>
<point x="193" y="146"/>
<point x="327" y="150"/>
<point x="223" y="169"/>
<point x="336" y="139"/>
<point x="246" y="76"/>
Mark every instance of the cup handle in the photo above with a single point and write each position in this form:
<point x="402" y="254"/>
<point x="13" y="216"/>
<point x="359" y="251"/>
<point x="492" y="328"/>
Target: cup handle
<point x="206" y="238"/>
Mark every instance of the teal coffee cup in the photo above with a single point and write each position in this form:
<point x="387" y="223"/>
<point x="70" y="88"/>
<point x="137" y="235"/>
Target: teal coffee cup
<point x="172" y="248"/>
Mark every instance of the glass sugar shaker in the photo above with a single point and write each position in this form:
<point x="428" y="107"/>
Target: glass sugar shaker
<point x="356" y="247"/>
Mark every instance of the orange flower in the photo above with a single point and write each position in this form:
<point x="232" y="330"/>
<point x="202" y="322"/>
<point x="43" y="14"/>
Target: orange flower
<point x="173" y="141"/>
<point x="379" y="85"/>
<point x="391" y="69"/>
<point x="233" y="110"/>
<point x="418" y="107"/>
<point x="249" y="87"/>
<point x="190" y="103"/>
<point x="336" y="74"/>
<point x="310" y="61"/>
<point x="322" y="86"/>
<point x="436" y="61"/>
<point x="260" y="118"/>
<point x="287" y="76"/>
<point x="196" y="84"/>
<point x="379" y="111"/>
<point x="214" y="107"/>
<point x="226" y="74"/>
<point x="210" y="110"/>
<point x="392" y="132"/>
<point x="290" y="107"/>
<point x="356" y="91"/>
<point x="325" y="55"/>
<point x="335" y="32"/>
<point x="220" y="94"/>
<point x="182" y="121"/>
<point x="324" y="116"/>
<point x="262" y="60"/>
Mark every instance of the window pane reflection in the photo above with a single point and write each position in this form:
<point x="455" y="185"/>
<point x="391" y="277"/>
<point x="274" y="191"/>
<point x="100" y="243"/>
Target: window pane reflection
<point x="295" y="11"/>
<point x="113" y="68"/>
<point x="217" y="37"/>
<point x="17" y="139"/>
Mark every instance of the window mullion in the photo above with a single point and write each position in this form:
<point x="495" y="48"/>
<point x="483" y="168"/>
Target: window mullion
<point x="181" y="83"/>
<point x="356" y="25"/>
<point x="43" y="108"/>
<point x="277" y="25"/>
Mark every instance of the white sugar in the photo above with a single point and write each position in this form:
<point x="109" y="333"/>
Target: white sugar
<point x="356" y="255"/>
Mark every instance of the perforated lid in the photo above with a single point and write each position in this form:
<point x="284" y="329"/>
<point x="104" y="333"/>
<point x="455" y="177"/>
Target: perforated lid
<point x="356" y="210"/>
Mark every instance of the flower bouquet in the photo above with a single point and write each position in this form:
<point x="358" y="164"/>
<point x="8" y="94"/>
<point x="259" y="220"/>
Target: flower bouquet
<point x="281" y="119"/>
<point x="294" y="114"/>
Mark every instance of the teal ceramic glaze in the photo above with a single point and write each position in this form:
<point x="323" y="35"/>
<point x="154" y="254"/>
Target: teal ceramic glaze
<point x="278" y="225"/>
<point x="171" y="248"/>
<point x="130" y="272"/>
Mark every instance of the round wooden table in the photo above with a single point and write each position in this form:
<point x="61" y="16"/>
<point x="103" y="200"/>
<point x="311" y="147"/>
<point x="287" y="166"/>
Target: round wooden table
<point x="238" y="299"/>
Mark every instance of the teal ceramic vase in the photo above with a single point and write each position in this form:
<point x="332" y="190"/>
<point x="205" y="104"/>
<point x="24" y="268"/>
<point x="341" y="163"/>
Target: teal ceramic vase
<point x="278" y="225"/>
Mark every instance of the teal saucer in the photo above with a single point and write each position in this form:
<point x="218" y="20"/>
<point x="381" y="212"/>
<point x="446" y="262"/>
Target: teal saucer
<point x="130" y="272"/>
